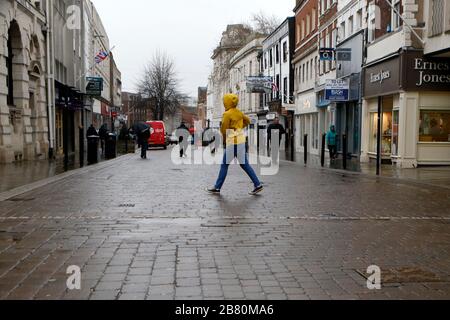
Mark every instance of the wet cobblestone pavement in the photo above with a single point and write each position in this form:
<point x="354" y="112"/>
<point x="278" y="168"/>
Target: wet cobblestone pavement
<point x="147" y="230"/>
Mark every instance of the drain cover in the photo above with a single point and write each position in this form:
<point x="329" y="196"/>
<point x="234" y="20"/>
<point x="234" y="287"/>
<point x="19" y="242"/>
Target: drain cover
<point x="405" y="275"/>
<point x="127" y="205"/>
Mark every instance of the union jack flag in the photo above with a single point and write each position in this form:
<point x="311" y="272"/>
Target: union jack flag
<point x="274" y="87"/>
<point x="101" y="56"/>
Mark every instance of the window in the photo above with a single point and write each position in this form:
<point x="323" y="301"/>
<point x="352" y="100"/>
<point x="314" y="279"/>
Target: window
<point x="434" y="126"/>
<point x="437" y="17"/>
<point x="313" y="19"/>
<point x="308" y="24"/>
<point x="307" y="70"/>
<point x="395" y="125"/>
<point x="277" y="54"/>
<point x="342" y="33"/>
<point x="311" y="69"/>
<point x="9" y="67"/>
<point x="285" y="52"/>
<point x="299" y="76"/>
<point x="271" y="58"/>
<point x="333" y="44"/>
<point x="359" y="19"/>
<point x="315" y="66"/>
<point x="298" y="33"/>
<point x="396" y="19"/>
<point x="303" y="29"/>
<point x="285" y="90"/>
<point x="303" y="73"/>
<point x="265" y="61"/>
<point x="350" y="26"/>
<point x="278" y="86"/>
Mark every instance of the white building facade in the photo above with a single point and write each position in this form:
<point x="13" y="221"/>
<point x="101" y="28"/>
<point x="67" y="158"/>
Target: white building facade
<point x="23" y="69"/>
<point x="245" y="63"/>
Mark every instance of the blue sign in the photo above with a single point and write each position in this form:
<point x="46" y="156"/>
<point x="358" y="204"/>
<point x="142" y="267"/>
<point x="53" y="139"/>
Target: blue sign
<point x="337" y="94"/>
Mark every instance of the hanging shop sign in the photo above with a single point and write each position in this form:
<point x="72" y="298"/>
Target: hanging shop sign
<point x="337" y="90"/>
<point x="326" y="54"/>
<point x="94" y="86"/>
<point x="259" y="84"/>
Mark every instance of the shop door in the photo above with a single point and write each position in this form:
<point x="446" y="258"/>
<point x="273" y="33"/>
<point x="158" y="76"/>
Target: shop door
<point x="290" y="136"/>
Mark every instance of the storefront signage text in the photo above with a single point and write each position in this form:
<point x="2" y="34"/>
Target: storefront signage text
<point x="424" y="78"/>
<point x="380" y="76"/>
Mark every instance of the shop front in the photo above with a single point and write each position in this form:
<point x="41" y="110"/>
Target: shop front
<point x="414" y="93"/>
<point x="307" y="123"/>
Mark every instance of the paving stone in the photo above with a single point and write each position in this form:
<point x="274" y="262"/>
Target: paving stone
<point x="303" y="238"/>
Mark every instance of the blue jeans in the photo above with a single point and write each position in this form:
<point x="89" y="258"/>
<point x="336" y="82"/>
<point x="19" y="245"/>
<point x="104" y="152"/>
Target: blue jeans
<point x="239" y="152"/>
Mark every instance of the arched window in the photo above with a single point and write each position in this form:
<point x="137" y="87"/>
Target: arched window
<point x="9" y="67"/>
<point x="14" y="45"/>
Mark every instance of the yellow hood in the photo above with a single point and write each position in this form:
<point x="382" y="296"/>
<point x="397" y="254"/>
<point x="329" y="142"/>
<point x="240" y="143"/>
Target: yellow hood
<point x="234" y="121"/>
<point x="230" y="101"/>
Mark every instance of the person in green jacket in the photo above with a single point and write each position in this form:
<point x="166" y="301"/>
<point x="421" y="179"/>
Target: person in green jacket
<point x="331" y="142"/>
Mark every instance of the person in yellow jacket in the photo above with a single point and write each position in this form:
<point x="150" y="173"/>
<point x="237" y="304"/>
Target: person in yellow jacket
<point x="233" y="127"/>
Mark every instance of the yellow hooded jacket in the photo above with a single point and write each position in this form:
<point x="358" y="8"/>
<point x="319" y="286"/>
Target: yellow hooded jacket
<point x="234" y="121"/>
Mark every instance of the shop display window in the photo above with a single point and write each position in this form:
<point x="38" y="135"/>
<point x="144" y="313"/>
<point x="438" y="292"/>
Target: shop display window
<point x="387" y="130"/>
<point x="434" y="126"/>
<point x="395" y="124"/>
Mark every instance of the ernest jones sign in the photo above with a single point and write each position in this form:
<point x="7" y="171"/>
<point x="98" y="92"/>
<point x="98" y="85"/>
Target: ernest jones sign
<point x="426" y="74"/>
<point x="411" y="71"/>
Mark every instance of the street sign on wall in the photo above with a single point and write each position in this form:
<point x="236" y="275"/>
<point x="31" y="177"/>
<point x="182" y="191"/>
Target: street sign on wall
<point x="337" y="90"/>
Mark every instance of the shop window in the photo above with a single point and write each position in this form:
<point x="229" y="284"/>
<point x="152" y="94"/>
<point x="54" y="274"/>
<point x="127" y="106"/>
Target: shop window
<point x="395" y="124"/>
<point x="434" y="126"/>
<point x="386" y="133"/>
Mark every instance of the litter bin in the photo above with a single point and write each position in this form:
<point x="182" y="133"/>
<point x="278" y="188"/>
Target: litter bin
<point x="92" y="149"/>
<point x="111" y="146"/>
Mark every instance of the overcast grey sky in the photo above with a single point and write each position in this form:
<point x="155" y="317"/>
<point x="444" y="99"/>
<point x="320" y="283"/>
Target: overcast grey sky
<point x="187" y="30"/>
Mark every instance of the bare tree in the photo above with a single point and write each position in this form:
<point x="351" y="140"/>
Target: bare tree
<point x="159" y="81"/>
<point x="264" y="23"/>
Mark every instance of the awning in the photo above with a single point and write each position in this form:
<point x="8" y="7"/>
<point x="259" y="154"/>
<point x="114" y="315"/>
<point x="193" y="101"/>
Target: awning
<point x="323" y="104"/>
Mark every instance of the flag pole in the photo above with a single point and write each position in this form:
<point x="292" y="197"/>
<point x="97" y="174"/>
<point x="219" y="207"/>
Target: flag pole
<point x="94" y="65"/>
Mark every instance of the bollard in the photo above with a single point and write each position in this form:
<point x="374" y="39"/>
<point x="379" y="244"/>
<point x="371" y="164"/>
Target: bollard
<point x="344" y="151"/>
<point x="322" y="155"/>
<point x="305" y="146"/>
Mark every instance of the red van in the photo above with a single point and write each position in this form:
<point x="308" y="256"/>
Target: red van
<point x="158" y="135"/>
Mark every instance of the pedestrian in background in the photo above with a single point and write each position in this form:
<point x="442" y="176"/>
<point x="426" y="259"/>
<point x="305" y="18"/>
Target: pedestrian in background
<point x="273" y="127"/>
<point x="103" y="133"/>
<point x="331" y="142"/>
<point x="144" y="136"/>
<point x="92" y="132"/>
<point x="182" y="132"/>
<point x="233" y="125"/>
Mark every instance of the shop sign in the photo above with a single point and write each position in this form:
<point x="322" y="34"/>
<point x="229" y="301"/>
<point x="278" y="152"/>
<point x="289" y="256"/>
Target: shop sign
<point x="94" y="86"/>
<point x="383" y="78"/>
<point x="337" y="90"/>
<point x="424" y="73"/>
<point x="259" y="84"/>
<point x="326" y="54"/>
<point x="380" y="76"/>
